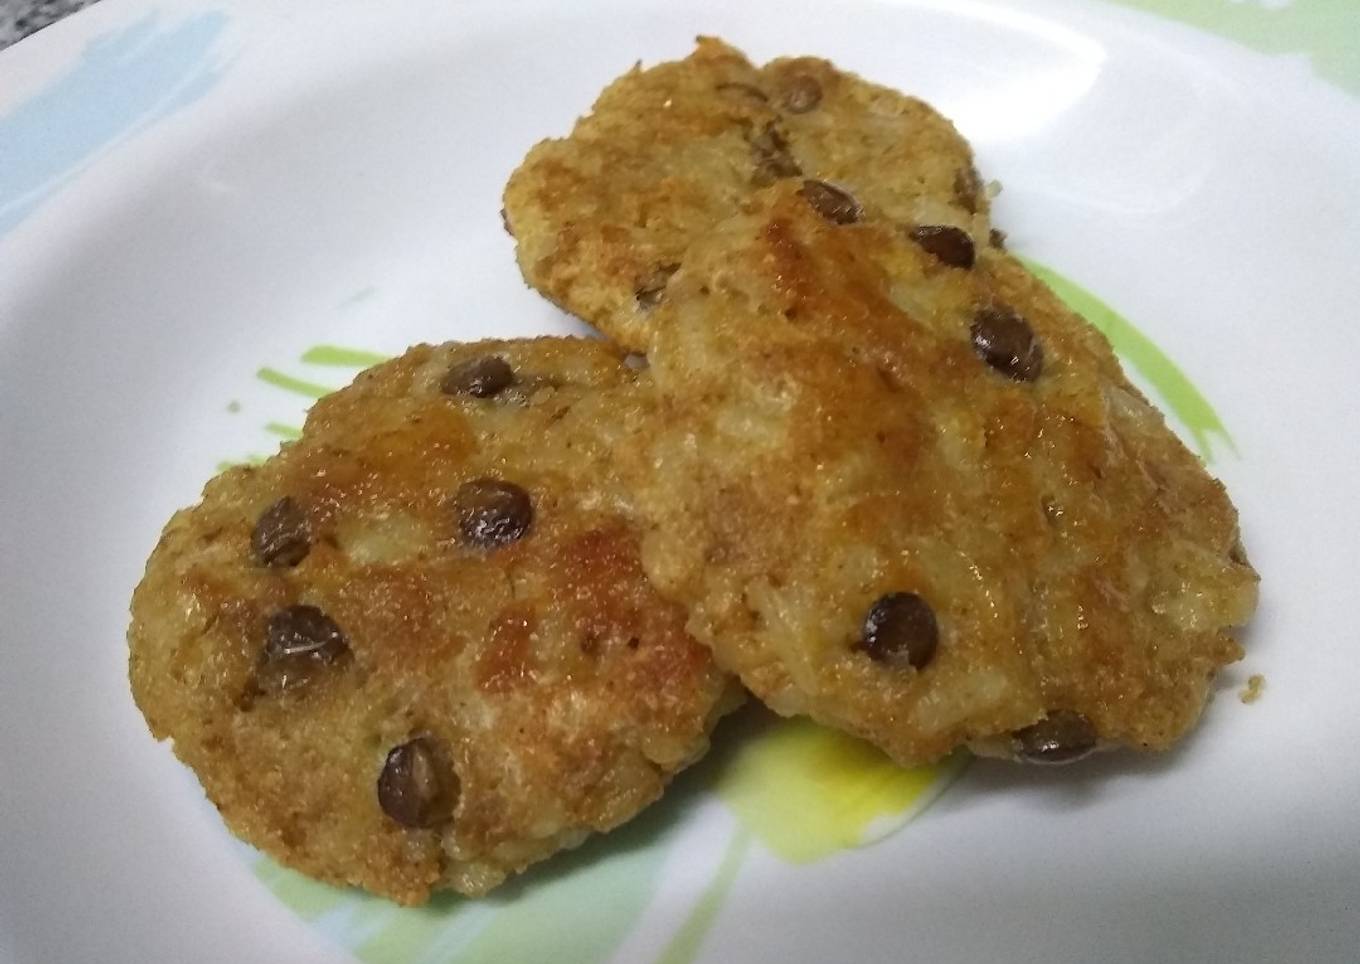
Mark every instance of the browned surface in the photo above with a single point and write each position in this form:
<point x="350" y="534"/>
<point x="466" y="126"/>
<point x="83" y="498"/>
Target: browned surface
<point x="601" y="217"/>
<point x="832" y="436"/>
<point x="556" y="683"/>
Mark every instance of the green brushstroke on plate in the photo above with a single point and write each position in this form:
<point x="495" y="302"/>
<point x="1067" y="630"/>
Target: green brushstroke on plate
<point x="1180" y="394"/>
<point x="356" y="919"/>
<point x="1327" y="31"/>
<point x="282" y="430"/>
<point x="305" y="897"/>
<point x="417" y="933"/>
<point x="254" y="458"/>
<point x="684" y="946"/>
<point x="297" y="386"/>
<point x="578" y="911"/>
<point x="339" y="356"/>
<point x="366" y="919"/>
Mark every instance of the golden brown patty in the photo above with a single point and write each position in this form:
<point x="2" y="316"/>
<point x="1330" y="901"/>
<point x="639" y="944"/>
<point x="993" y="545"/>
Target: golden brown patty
<point x="416" y="649"/>
<point x="603" y="217"/>
<point x="920" y="501"/>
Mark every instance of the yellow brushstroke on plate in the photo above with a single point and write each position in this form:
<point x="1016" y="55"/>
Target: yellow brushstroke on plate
<point x="806" y="791"/>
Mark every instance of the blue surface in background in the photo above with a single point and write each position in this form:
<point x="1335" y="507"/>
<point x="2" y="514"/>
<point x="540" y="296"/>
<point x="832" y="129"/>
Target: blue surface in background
<point x="123" y="83"/>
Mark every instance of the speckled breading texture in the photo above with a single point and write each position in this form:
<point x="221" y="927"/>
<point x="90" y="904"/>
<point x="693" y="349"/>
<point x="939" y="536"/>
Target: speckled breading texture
<point x="560" y="690"/>
<point x="602" y="216"/>
<point x="832" y="436"/>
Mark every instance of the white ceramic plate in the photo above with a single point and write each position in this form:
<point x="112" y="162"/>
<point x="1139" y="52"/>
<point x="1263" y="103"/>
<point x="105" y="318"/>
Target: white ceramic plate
<point x="194" y="196"/>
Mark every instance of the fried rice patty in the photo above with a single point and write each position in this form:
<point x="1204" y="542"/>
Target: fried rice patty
<point x="917" y="499"/>
<point x="602" y="217"/>
<point x="416" y="649"/>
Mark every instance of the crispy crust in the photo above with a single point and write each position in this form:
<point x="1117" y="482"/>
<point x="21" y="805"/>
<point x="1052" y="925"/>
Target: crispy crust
<point x="831" y="435"/>
<point x="601" y="217"/>
<point x="557" y="685"/>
